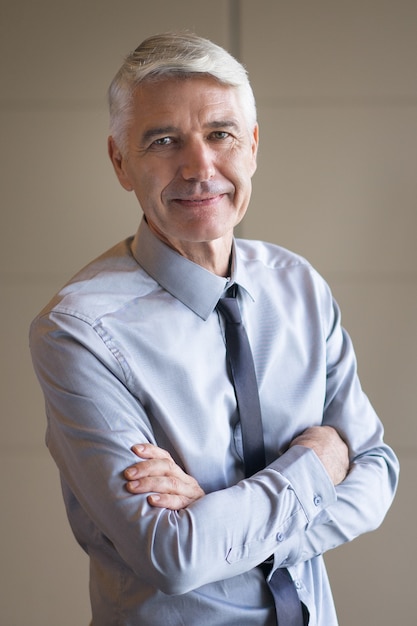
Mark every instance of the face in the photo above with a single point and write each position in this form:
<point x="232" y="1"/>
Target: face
<point x="190" y="158"/>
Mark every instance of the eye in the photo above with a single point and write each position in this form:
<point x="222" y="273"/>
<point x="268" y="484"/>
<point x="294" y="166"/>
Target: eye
<point x="220" y="135"/>
<point x="163" y="141"/>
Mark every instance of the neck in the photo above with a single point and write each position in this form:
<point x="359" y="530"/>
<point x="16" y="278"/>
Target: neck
<point x="214" y="256"/>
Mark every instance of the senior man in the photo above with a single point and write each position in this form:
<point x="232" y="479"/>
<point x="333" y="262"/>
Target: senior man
<point x="147" y="422"/>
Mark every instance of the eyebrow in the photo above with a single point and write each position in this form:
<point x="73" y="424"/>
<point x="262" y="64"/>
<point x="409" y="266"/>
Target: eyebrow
<point x="230" y="123"/>
<point x="159" y="131"/>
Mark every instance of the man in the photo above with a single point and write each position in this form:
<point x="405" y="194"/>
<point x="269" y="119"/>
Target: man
<point x="143" y="421"/>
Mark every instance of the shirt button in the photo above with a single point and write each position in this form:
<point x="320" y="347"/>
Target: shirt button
<point x="298" y="584"/>
<point x="280" y="537"/>
<point x="317" y="500"/>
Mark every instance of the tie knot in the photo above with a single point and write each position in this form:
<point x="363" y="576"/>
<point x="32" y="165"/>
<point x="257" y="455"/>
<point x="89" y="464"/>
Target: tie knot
<point x="230" y="309"/>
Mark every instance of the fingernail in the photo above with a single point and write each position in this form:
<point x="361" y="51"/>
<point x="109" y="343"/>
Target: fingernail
<point x="131" y="472"/>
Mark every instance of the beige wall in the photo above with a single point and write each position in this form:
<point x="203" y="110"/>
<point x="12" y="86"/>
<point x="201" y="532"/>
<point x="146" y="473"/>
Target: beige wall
<point x="337" y="98"/>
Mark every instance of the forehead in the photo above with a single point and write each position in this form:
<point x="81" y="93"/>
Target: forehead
<point x="176" y="99"/>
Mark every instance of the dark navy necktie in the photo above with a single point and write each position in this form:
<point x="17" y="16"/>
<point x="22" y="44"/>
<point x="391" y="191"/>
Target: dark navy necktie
<point x="287" y="604"/>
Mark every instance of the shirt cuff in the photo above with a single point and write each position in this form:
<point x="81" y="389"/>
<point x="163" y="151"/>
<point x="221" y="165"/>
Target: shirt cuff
<point x="308" y="478"/>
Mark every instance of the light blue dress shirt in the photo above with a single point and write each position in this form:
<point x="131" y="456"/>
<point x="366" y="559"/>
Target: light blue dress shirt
<point x="133" y="350"/>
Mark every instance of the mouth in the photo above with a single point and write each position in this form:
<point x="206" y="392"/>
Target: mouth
<point x="199" y="201"/>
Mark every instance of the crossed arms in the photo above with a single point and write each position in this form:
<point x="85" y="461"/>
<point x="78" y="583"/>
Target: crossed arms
<point x="170" y="487"/>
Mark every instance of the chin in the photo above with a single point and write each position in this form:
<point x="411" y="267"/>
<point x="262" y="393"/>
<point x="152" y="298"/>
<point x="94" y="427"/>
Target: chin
<point x="207" y="235"/>
<point x="209" y="230"/>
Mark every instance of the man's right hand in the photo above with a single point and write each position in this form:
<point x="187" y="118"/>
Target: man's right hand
<point x="329" y="447"/>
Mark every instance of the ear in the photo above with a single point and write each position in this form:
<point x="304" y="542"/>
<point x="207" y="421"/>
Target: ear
<point x="254" y="146"/>
<point x="119" y="164"/>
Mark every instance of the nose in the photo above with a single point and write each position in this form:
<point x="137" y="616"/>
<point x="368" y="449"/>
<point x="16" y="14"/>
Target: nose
<point x="197" y="162"/>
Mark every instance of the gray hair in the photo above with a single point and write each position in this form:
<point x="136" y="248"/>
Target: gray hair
<point x="179" y="55"/>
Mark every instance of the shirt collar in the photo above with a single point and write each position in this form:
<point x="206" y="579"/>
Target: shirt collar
<point x="189" y="282"/>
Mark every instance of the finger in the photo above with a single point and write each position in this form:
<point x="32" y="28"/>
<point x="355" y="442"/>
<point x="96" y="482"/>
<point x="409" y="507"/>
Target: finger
<point x="149" y="451"/>
<point x="167" y="492"/>
<point x="168" y="501"/>
<point x="158" y="484"/>
<point x="154" y="467"/>
<point x="165" y="484"/>
<point x="145" y="451"/>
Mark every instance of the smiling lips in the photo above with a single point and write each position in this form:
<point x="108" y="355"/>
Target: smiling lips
<point x="201" y="195"/>
<point x="206" y="201"/>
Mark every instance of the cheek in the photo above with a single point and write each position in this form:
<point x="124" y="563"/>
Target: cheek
<point x="154" y="180"/>
<point x="241" y="166"/>
<point x="251" y="163"/>
<point x="147" y="188"/>
<point x="242" y="178"/>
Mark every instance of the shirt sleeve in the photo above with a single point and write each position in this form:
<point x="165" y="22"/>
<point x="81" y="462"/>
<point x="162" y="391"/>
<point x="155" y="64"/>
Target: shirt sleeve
<point x="366" y="494"/>
<point x="93" y="420"/>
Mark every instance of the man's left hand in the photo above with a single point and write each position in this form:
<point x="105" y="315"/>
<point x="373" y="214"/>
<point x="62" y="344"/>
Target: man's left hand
<point x="169" y="487"/>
